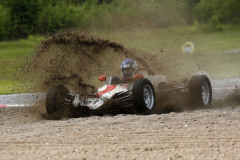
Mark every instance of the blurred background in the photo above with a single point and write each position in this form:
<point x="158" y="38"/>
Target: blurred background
<point x="23" y="18"/>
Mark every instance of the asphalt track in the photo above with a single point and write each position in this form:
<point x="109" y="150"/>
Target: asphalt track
<point x="20" y="100"/>
<point x="222" y="89"/>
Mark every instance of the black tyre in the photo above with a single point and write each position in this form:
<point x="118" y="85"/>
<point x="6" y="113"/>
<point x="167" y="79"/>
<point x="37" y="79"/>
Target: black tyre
<point x="200" y="90"/>
<point x="143" y="96"/>
<point x="56" y="101"/>
<point x="79" y="111"/>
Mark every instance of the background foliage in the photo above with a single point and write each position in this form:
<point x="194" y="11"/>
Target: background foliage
<point x="217" y="14"/>
<point x="21" y="18"/>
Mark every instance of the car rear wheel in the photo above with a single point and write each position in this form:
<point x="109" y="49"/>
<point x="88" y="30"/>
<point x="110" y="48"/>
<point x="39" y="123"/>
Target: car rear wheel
<point x="143" y="96"/>
<point x="200" y="91"/>
<point x="56" y="101"/>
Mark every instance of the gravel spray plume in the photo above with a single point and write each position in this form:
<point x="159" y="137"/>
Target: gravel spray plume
<point x="72" y="57"/>
<point x="77" y="60"/>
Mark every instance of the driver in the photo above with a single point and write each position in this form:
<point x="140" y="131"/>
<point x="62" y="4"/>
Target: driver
<point x="129" y="69"/>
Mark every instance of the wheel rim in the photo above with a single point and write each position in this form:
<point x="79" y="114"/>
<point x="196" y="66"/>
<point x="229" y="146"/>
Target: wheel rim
<point x="205" y="93"/>
<point x="148" y="97"/>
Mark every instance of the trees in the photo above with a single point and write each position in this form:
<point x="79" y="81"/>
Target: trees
<point x="217" y="12"/>
<point x="20" y="18"/>
<point x="23" y="15"/>
<point x="4" y="22"/>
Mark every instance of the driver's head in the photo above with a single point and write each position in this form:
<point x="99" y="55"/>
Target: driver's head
<point x="129" y="68"/>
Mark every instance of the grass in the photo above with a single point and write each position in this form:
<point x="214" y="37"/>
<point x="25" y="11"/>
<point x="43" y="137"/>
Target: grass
<point x="11" y="87"/>
<point x="209" y="47"/>
<point x="152" y="41"/>
<point x="171" y="39"/>
<point x="12" y="55"/>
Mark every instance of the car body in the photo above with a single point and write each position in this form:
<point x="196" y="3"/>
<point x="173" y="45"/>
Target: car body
<point x="141" y="94"/>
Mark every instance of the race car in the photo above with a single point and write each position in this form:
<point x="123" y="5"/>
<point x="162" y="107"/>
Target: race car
<point x="146" y="93"/>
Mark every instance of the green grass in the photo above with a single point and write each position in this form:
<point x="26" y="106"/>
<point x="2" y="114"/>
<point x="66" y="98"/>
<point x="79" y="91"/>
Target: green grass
<point x="208" y="48"/>
<point x="152" y="41"/>
<point x="12" y="55"/>
<point x="11" y="87"/>
<point x="170" y="40"/>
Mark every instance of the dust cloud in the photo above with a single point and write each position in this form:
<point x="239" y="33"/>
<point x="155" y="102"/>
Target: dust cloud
<point x="71" y="58"/>
<point x="66" y="57"/>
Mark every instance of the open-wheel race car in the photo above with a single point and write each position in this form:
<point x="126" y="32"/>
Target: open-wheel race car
<point x="144" y="93"/>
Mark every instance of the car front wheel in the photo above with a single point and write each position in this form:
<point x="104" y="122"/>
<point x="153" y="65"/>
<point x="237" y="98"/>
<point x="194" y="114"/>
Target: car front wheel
<point x="143" y="96"/>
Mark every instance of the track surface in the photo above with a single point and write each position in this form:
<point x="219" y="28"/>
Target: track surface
<point x="212" y="133"/>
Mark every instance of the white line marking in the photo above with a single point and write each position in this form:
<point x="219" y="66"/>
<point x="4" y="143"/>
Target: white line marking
<point x="226" y="88"/>
<point x="15" y="105"/>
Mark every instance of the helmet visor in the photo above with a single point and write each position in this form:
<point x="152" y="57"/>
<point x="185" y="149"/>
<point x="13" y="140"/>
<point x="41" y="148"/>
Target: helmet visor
<point x="128" y="71"/>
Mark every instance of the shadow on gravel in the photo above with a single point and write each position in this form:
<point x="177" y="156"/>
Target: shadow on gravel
<point x="231" y="100"/>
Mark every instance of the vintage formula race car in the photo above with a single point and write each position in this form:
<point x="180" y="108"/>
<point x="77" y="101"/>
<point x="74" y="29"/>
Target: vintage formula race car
<point x="147" y="93"/>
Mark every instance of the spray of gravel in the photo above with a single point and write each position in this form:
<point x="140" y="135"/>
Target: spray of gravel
<point x="72" y="58"/>
<point x="77" y="60"/>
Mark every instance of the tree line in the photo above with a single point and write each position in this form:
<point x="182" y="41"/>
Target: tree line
<point x="21" y="18"/>
<point x="215" y="14"/>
